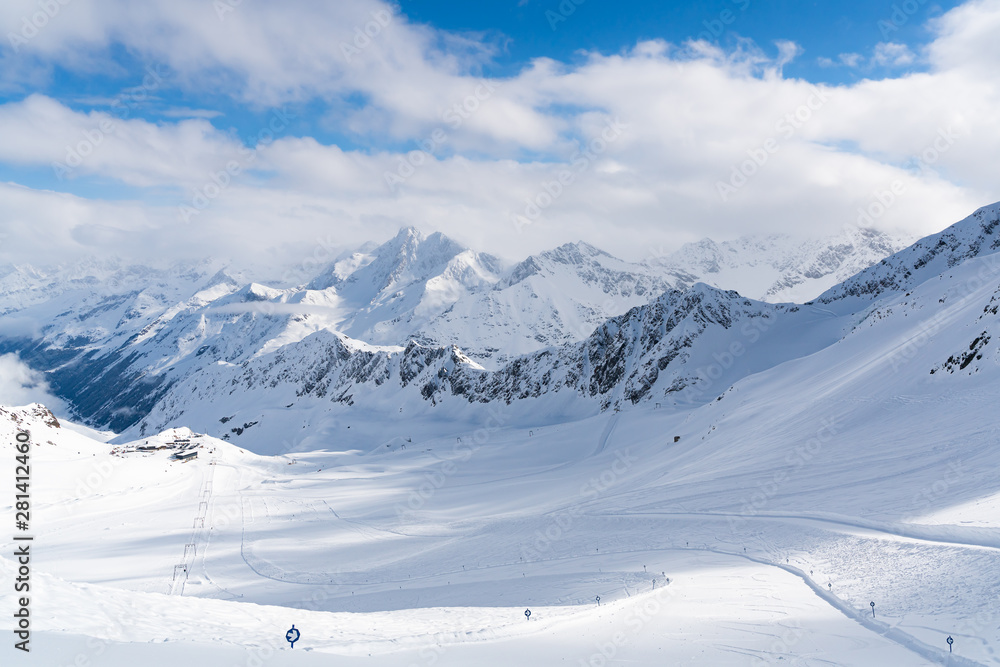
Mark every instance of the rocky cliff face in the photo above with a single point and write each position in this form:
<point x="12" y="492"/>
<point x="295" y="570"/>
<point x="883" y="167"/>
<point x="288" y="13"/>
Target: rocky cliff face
<point x="684" y="347"/>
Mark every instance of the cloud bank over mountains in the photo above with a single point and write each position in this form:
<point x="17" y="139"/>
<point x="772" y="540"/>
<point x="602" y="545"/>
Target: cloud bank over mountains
<point x="710" y="141"/>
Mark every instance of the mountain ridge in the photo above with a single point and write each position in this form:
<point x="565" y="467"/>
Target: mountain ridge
<point x="566" y="325"/>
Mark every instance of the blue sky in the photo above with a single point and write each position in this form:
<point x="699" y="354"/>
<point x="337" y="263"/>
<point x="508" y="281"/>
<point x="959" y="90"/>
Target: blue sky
<point x="546" y="28"/>
<point x="519" y="32"/>
<point x="320" y="129"/>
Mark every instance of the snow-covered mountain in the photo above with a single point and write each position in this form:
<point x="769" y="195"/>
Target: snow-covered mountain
<point x="781" y="268"/>
<point x="666" y="351"/>
<point x="930" y="257"/>
<point x="552" y="298"/>
<point x="432" y="290"/>
<point x="116" y="337"/>
<point x="816" y="458"/>
<point x="387" y="295"/>
<point x="684" y="348"/>
<point x="24" y="286"/>
<point x="417" y="321"/>
<point x="860" y="467"/>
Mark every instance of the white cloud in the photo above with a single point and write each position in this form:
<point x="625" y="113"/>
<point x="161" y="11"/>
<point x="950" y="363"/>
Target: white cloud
<point x="966" y="40"/>
<point x="691" y="114"/>
<point x="891" y="54"/>
<point x="851" y="59"/>
<point x="267" y="54"/>
<point x="19" y="385"/>
<point x="885" y="55"/>
<point x="41" y="131"/>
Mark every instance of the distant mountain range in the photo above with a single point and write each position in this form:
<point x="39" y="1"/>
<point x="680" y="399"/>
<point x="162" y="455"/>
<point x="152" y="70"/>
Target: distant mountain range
<point x="779" y="268"/>
<point x="420" y="322"/>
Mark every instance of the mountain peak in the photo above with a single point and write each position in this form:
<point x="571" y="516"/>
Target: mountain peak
<point x="221" y="277"/>
<point x="574" y="253"/>
<point x="410" y="234"/>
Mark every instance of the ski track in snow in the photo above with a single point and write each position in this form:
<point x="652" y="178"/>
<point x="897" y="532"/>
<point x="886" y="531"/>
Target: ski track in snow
<point x="826" y="542"/>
